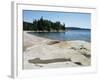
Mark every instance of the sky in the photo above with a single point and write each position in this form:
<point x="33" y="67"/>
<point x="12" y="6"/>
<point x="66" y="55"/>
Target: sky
<point x="71" y="19"/>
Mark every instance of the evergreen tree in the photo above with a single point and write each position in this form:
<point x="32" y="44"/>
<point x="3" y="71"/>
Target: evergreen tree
<point x="44" y="25"/>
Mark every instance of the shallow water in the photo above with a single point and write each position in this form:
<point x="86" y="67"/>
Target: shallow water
<point x="84" y="35"/>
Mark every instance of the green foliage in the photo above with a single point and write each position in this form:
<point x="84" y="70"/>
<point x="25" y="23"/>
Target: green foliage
<point x="44" y="25"/>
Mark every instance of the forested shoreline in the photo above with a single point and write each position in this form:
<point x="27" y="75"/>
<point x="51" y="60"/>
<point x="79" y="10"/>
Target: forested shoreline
<point x="43" y="25"/>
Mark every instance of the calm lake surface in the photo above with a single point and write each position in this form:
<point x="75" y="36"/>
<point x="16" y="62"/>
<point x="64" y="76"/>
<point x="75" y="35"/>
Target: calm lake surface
<point x="68" y="35"/>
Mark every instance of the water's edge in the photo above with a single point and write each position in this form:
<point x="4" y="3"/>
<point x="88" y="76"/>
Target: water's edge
<point x="84" y="35"/>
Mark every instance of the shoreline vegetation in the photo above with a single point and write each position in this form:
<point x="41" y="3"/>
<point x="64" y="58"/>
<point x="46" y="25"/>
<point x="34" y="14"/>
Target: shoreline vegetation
<point x="46" y="53"/>
<point x="45" y="31"/>
<point x="43" y="25"/>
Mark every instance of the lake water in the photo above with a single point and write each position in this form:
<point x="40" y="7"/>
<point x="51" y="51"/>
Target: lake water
<point x="68" y="35"/>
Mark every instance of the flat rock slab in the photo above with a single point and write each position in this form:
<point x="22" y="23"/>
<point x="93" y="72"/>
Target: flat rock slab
<point x="45" y="53"/>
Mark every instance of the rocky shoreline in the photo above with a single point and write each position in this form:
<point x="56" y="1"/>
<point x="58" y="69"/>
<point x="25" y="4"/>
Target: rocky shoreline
<point x="45" y="53"/>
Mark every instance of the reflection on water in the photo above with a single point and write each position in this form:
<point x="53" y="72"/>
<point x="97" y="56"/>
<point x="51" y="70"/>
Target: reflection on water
<point x="68" y="35"/>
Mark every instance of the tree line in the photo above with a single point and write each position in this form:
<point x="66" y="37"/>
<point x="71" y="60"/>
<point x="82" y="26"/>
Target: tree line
<point x="44" y="25"/>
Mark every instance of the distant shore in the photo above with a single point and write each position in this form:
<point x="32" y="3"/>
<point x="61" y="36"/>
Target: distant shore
<point x="46" y="53"/>
<point x="46" y="31"/>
